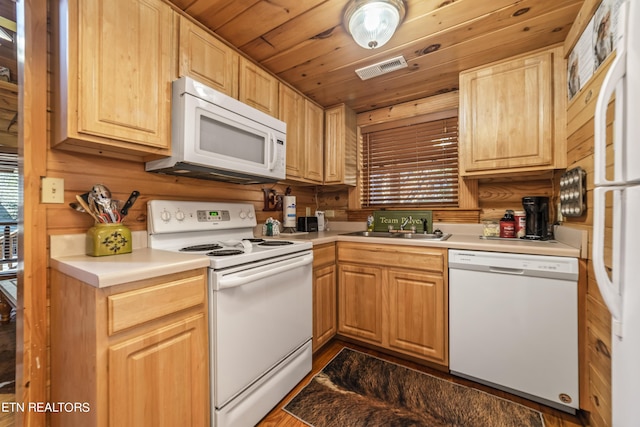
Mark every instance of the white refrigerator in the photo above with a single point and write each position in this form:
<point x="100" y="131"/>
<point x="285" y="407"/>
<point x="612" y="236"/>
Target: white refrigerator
<point x="621" y="290"/>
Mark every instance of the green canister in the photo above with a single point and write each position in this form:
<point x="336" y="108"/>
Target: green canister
<point x="108" y="239"/>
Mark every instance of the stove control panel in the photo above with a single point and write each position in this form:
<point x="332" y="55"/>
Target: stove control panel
<point x="214" y="216"/>
<point x="172" y="216"/>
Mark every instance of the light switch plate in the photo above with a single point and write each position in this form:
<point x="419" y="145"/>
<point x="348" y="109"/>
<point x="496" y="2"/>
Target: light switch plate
<point x="52" y="190"/>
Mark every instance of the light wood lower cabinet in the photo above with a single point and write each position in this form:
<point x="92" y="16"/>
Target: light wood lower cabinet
<point x="416" y="313"/>
<point x="136" y="354"/>
<point x="360" y="302"/>
<point x="395" y="297"/>
<point x="324" y="295"/>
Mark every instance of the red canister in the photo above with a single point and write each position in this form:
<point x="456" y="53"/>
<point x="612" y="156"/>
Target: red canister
<point x="508" y="225"/>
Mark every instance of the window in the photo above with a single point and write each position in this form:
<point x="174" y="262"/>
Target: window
<point x="411" y="165"/>
<point x="8" y="211"/>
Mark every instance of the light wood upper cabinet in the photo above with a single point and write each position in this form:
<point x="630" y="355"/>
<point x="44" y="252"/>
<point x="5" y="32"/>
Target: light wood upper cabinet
<point x="395" y="297"/>
<point x="135" y="346"/>
<point x="314" y="142"/>
<point x="206" y="59"/>
<point x="305" y="129"/>
<point x="258" y="88"/>
<point x="112" y="70"/>
<point x="513" y="115"/>
<point x="340" y="146"/>
<point x="291" y="106"/>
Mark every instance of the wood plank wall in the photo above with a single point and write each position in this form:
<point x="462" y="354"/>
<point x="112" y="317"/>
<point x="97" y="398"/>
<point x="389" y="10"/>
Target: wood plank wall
<point x="82" y="171"/>
<point x="596" y="393"/>
<point x="494" y="197"/>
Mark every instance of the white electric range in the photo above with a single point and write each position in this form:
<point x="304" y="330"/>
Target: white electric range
<point x="260" y="303"/>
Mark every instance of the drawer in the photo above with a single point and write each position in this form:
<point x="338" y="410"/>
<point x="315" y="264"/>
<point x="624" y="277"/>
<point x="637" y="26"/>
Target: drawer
<point x="413" y="257"/>
<point x="136" y="307"/>
<point x="324" y="255"/>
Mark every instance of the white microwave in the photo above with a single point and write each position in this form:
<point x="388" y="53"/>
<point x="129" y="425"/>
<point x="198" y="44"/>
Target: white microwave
<point x="216" y="137"/>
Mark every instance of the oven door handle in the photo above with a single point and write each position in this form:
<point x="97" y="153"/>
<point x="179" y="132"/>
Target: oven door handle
<point x="242" y="278"/>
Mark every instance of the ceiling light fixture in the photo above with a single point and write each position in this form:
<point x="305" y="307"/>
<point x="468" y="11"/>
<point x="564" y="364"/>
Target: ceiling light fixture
<point x="371" y="23"/>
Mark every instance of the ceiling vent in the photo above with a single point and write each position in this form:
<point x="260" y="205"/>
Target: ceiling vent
<point x="381" y="68"/>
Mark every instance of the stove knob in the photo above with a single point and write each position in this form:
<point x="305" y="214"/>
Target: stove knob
<point x="243" y="215"/>
<point x="250" y="215"/>
<point x="180" y="216"/>
<point x="165" y="215"/>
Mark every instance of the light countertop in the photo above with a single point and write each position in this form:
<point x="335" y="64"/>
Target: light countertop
<point x="67" y="256"/>
<point x="569" y="242"/>
<point x="67" y="251"/>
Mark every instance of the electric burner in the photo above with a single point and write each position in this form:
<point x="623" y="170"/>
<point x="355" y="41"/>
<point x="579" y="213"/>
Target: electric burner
<point x="225" y="252"/>
<point x="205" y="247"/>
<point x="206" y="228"/>
<point x="275" y="243"/>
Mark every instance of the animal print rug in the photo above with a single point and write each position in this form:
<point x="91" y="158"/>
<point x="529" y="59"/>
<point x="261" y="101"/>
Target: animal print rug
<point x="357" y="390"/>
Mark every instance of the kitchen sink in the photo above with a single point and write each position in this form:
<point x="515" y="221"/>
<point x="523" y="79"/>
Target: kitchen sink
<point x="370" y="234"/>
<point x="415" y="236"/>
<point x="418" y="236"/>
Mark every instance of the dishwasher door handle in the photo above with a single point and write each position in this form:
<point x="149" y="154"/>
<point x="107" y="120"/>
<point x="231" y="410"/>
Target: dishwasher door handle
<point x="505" y="270"/>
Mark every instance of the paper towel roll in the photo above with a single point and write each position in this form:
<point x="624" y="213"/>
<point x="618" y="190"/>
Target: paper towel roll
<point x="289" y="214"/>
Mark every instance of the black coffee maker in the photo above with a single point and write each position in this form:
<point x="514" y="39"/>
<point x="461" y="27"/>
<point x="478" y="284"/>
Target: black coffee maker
<point x="537" y="210"/>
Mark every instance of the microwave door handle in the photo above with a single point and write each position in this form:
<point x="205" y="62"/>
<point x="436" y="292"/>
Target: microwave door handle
<point x="273" y="148"/>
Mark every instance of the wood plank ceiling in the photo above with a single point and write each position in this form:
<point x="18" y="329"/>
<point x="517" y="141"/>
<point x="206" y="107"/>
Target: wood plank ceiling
<point x="305" y="43"/>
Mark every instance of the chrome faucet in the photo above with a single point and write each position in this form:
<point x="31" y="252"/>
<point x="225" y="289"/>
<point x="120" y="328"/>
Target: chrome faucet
<point x="405" y="222"/>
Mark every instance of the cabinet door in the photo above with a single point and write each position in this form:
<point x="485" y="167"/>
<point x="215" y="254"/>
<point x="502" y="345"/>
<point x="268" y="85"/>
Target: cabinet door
<point x="314" y="137"/>
<point x="340" y="150"/>
<point x="418" y="314"/>
<point x="507" y="115"/>
<point x="291" y="106"/>
<point x="161" y="378"/>
<point x="360" y="310"/>
<point x="324" y="305"/>
<point x="258" y="88"/>
<point x="206" y="59"/>
<point x="124" y="70"/>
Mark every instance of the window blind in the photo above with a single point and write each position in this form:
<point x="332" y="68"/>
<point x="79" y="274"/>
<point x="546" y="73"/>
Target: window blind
<point x="8" y="187"/>
<point x="411" y="165"/>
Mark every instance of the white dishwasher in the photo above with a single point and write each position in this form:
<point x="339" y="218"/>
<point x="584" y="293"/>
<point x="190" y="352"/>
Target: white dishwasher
<point x="513" y="324"/>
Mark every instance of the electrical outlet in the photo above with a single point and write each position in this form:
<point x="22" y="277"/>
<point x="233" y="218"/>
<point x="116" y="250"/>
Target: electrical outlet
<point x="330" y="213"/>
<point x="52" y="190"/>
